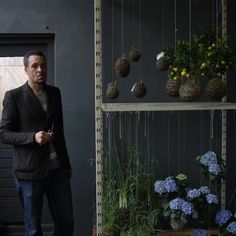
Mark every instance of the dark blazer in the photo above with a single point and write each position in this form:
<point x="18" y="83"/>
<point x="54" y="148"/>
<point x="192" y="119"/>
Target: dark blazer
<point x="22" y="117"/>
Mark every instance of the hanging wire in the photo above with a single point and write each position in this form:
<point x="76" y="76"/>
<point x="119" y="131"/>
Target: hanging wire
<point x="175" y="23"/>
<point x="112" y="38"/>
<point x="168" y="144"/>
<point x="120" y="126"/>
<point x="140" y="35"/>
<point x="179" y="138"/>
<point x="122" y="26"/>
<point x="211" y="128"/>
<point x="163" y="24"/>
<point x="190" y="33"/>
<point x="217" y="20"/>
<point x="134" y="31"/>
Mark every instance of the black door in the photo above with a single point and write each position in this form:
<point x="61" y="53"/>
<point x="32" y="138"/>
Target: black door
<point x="11" y="215"/>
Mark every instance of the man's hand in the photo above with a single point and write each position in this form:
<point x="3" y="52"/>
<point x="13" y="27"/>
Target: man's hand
<point x="43" y="137"/>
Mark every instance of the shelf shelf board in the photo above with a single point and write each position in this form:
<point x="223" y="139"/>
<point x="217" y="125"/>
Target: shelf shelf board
<point x="180" y="106"/>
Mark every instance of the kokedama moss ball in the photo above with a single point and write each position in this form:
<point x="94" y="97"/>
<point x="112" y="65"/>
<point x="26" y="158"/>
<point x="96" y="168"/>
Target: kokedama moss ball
<point x="122" y="66"/>
<point x="216" y="89"/>
<point x="134" y="54"/>
<point x="172" y="87"/>
<point x="112" y="91"/>
<point x="190" y="91"/>
<point x="139" y="90"/>
<point x="162" y="62"/>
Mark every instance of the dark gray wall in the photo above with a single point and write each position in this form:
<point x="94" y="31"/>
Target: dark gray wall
<point x="72" y="23"/>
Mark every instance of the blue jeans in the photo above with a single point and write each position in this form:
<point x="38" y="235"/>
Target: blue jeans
<point x="56" y="187"/>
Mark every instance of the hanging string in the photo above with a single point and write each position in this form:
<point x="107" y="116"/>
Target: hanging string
<point x="120" y="126"/>
<point x="112" y="38"/>
<point x="122" y="26"/>
<point x="175" y="24"/>
<point x="202" y="141"/>
<point x="179" y="138"/>
<point x="140" y="33"/>
<point x="168" y="144"/>
<point x="134" y="32"/>
<point x="163" y="24"/>
<point x="190" y="33"/>
<point x="211" y="128"/>
<point x="217" y="20"/>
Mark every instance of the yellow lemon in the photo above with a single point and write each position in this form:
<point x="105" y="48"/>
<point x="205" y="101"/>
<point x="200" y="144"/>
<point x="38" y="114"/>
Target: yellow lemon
<point x="213" y="45"/>
<point x="175" y="78"/>
<point x="183" y="73"/>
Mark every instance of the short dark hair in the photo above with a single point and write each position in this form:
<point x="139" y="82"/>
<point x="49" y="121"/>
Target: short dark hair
<point x="33" y="52"/>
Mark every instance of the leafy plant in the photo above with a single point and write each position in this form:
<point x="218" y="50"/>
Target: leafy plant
<point x="128" y="199"/>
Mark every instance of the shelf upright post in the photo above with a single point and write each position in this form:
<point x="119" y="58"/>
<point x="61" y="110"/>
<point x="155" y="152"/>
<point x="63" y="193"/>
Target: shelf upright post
<point x="224" y="112"/>
<point x="98" y="112"/>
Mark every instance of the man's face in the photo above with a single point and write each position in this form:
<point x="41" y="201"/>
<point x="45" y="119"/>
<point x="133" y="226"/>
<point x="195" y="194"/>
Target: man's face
<point x="37" y="69"/>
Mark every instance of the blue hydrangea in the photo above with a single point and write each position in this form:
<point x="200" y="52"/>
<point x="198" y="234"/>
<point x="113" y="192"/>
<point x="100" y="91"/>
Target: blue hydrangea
<point x="212" y="198"/>
<point x="193" y="193"/>
<point x="231" y="228"/>
<point x="208" y="158"/>
<point x="204" y="190"/>
<point x="199" y="232"/>
<point x="176" y="204"/>
<point x="170" y="185"/>
<point x="159" y="187"/>
<point x="214" y="169"/>
<point x="187" y="208"/>
<point x="222" y="217"/>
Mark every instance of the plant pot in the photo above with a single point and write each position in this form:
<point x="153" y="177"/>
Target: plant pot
<point x="190" y="91"/>
<point x="216" y="89"/>
<point x="172" y="87"/>
<point x="176" y="224"/>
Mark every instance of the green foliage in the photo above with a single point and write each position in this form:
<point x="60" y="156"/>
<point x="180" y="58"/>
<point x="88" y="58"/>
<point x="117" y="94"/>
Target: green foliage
<point x="207" y="55"/>
<point x="128" y="199"/>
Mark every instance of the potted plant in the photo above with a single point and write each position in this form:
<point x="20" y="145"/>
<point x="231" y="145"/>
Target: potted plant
<point x="128" y="206"/>
<point x="215" y="58"/>
<point x="183" y="79"/>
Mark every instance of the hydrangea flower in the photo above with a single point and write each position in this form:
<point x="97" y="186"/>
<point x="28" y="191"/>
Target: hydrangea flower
<point x="208" y="158"/>
<point x="204" y="190"/>
<point x="187" y="208"/>
<point x="214" y="169"/>
<point x="193" y="193"/>
<point x="199" y="232"/>
<point x="170" y="185"/>
<point x="176" y="204"/>
<point x="231" y="228"/>
<point x="159" y="187"/>
<point x="212" y="198"/>
<point x="222" y="217"/>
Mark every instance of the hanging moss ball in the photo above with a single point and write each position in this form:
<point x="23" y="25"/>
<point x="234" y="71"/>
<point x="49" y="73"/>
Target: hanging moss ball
<point x="172" y="87"/>
<point x="134" y="54"/>
<point x="122" y="66"/>
<point x="139" y="90"/>
<point x="216" y="89"/>
<point x="190" y="91"/>
<point x="112" y="91"/>
<point x="162" y="63"/>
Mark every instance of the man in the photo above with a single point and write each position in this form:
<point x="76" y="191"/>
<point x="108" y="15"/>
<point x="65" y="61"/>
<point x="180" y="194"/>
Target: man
<point x="32" y="122"/>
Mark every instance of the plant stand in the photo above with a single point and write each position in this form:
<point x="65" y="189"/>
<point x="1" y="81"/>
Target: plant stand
<point x="187" y="232"/>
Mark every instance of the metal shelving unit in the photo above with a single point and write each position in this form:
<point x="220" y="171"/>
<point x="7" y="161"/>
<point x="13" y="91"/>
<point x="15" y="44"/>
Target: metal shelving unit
<point x="101" y="107"/>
